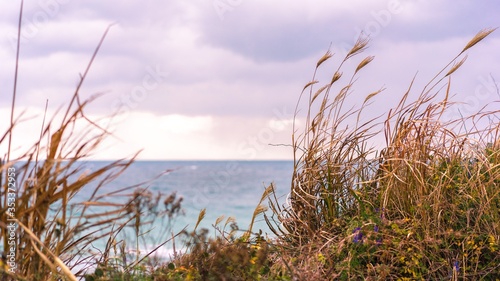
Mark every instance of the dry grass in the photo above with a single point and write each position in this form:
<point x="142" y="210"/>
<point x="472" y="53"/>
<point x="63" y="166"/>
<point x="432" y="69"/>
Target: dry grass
<point x="54" y="234"/>
<point x="426" y="206"/>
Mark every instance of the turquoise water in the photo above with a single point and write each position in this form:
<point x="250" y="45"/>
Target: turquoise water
<point x="223" y="188"/>
<point x="229" y="188"/>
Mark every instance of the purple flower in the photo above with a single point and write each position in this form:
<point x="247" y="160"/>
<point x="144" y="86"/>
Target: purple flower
<point x="379" y="240"/>
<point x="456" y="266"/>
<point x="358" y="235"/>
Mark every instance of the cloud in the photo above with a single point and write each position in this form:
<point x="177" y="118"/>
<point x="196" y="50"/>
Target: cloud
<point x="275" y="31"/>
<point x="237" y="66"/>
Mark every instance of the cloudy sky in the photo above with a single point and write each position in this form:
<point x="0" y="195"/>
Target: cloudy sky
<point x="219" y="79"/>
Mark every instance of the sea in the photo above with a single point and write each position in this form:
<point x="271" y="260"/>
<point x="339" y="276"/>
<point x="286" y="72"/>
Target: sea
<point x="229" y="191"/>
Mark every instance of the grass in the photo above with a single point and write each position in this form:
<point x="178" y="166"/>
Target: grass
<point x="46" y="233"/>
<point x="425" y="206"/>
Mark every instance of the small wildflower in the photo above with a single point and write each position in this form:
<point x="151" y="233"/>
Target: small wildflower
<point x="253" y="260"/>
<point x="456" y="266"/>
<point x="375" y="228"/>
<point x="492" y="243"/>
<point x="382" y="216"/>
<point x="358" y="235"/>
<point x="321" y="258"/>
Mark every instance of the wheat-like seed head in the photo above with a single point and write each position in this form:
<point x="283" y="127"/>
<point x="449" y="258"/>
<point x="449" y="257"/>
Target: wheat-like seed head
<point x="456" y="66"/>
<point x="324" y="58"/>
<point x="364" y="62"/>
<point x="358" y="47"/>
<point x="310" y="84"/>
<point x="336" y="77"/>
<point x="479" y="36"/>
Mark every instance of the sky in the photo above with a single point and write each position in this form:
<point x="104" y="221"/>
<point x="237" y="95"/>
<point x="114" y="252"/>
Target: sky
<point x="220" y="79"/>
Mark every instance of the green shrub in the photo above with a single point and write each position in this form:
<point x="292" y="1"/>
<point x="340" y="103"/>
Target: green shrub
<point x="223" y="257"/>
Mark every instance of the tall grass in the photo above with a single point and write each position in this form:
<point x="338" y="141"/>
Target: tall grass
<point x="426" y="206"/>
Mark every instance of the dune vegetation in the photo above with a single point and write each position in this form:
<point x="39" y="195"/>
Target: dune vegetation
<point x="426" y="206"/>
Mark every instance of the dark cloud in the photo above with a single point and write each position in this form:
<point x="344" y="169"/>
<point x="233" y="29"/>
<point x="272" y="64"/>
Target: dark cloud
<point x="264" y="35"/>
<point x="254" y="59"/>
<point x="422" y="21"/>
<point x="265" y="32"/>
